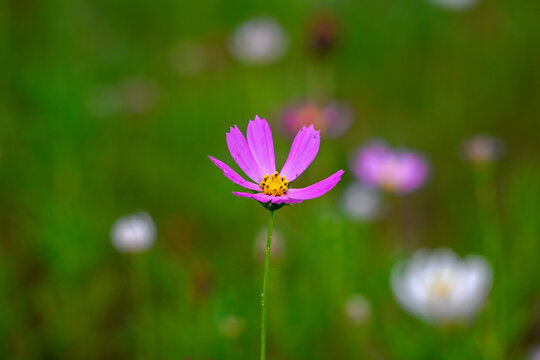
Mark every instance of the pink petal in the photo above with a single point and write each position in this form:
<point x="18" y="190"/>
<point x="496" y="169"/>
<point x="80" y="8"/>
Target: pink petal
<point x="258" y="196"/>
<point x="303" y="150"/>
<point x="266" y="198"/>
<point x="285" y="200"/>
<point x="259" y="137"/>
<point x="318" y="189"/>
<point x="232" y="175"/>
<point x="414" y="171"/>
<point x="241" y="153"/>
<point x="369" y="163"/>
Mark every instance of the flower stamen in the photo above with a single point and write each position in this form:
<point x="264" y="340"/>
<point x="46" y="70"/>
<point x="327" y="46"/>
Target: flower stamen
<point x="274" y="185"/>
<point x="440" y="290"/>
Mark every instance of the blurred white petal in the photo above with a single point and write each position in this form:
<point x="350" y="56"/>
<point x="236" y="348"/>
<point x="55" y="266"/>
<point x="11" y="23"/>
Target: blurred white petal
<point x="133" y="233"/>
<point x="439" y="287"/>
<point x="482" y="149"/>
<point x="259" y="41"/>
<point x="357" y="309"/>
<point x="362" y="203"/>
<point x="455" y="5"/>
<point x="534" y="353"/>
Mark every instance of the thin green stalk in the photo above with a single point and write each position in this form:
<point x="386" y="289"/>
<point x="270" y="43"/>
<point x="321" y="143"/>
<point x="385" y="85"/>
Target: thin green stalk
<point x="265" y="287"/>
<point x="494" y="250"/>
<point x="320" y="80"/>
<point x="142" y="307"/>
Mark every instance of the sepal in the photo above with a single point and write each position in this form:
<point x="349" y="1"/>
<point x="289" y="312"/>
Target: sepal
<point x="271" y="206"/>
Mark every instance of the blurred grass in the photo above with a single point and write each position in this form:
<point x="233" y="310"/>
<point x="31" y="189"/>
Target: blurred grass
<point x="416" y="75"/>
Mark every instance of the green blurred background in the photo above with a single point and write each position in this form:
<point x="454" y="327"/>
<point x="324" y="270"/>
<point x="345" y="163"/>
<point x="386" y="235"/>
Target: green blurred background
<point x="72" y="161"/>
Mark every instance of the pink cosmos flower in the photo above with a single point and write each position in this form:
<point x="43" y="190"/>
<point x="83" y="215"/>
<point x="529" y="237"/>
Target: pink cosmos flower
<point x="255" y="156"/>
<point x="399" y="171"/>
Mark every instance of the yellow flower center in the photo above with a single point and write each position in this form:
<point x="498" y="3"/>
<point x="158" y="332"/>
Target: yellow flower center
<point x="274" y="185"/>
<point x="389" y="185"/>
<point x="440" y="289"/>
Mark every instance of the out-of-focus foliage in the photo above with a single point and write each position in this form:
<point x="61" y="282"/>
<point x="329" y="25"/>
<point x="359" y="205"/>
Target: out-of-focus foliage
<point x="111" y="107"/>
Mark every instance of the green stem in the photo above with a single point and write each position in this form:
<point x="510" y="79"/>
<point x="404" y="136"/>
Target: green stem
<point x="320" y="80"/>
<point x="265" y="286"/>
<point x="494" y="248"/>
<point x="143" y="312"/>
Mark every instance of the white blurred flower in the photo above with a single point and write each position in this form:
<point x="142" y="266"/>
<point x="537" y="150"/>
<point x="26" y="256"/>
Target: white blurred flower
<point x="439" y="287"/>
<point x="232" y="326"/>
<point x="534" y="353"/>
<point x="259" y="41"/>
<point x="277" y="248"/>
<point x="133" y="233"/>
<point x="482" y="149"/>
<point x="455" y="5"/>
<point x="361" y="202"/>
<point x="357" y="309"/>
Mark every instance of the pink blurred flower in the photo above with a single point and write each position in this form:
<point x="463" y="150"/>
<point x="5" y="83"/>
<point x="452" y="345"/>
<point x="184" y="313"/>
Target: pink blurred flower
<point x="333" y="119"/>
<point x="256" y="158"/>
<point x="399" y="171"/>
